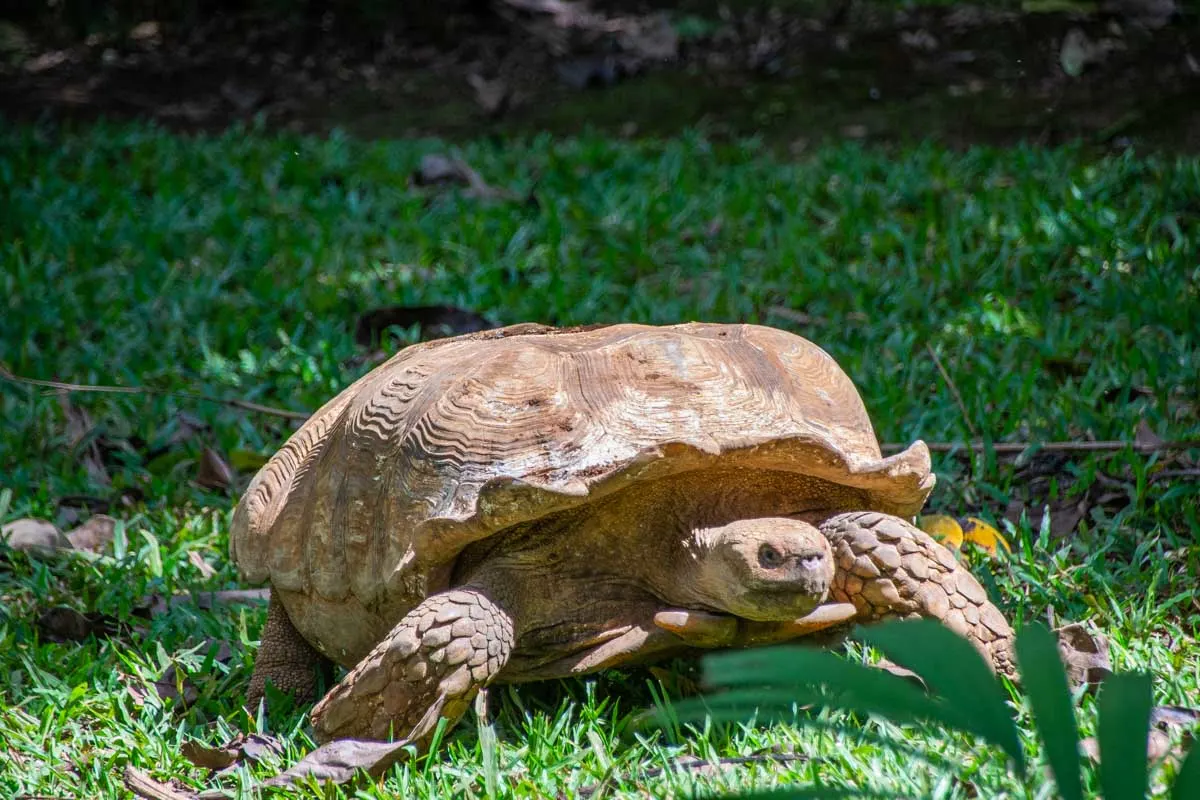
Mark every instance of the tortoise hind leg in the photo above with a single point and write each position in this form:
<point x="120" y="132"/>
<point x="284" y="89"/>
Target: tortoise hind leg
<point x="431" y="665"/>
<point x="286" y="660"/>
<point x="887" y="567"/>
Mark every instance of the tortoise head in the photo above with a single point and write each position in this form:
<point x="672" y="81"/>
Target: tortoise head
<point x="765" y="569"/>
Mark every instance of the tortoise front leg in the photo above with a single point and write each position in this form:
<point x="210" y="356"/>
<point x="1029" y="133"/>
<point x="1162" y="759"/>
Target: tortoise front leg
<point x="431" y="665"/>
<point x="887" y="567"/>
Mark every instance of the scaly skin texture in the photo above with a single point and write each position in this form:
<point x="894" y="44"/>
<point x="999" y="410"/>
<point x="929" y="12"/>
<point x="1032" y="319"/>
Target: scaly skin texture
<point x="431" y="665"/>
<point x="290" y="663"/>
<point x="889" y="568"/>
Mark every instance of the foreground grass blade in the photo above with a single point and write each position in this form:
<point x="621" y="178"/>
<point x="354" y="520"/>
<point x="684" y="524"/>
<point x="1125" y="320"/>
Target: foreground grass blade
<point x="800" y="670"/>
<point x="954" y="669"/>
<point x="1187" y="781"/>
<point x="1124" y="724"/>
<point x="1045" y="682"/>
<point x="793" y="673"/>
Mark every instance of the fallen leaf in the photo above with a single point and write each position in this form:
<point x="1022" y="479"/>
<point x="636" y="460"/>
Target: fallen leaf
<point x="213" y="472"/>
<point x="1065" y="516"/>
<point x="65" y="624"/>
<point x="339" y="761"/>
<point x="1145" y="437"/>
<point x="80" y="438"/>
<point x="37" y="537"/>
<point x="434" y="322"/>
<point x="143" y="785"/>
<point x="981" y="534"/>
<point x="942" y="528"/>
<point x="205" y="757"/>
<point x="493" y="96"/>
<point x="93" y="535"/>
<point x="243" y="747"/>
<point x="1085" y="655"/>
<point x="436" y="169"/>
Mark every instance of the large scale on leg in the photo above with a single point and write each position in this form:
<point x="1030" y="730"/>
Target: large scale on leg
<point x="530" y="502"/>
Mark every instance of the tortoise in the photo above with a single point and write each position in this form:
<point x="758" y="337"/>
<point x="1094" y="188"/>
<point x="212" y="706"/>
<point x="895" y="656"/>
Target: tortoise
<point x="532" y="502"/>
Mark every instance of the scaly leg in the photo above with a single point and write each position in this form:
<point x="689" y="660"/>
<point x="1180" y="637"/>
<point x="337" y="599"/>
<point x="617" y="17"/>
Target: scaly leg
<point x="284" y="658"/>
<point x="431" y="665"/>
<point x="887" y="567"/>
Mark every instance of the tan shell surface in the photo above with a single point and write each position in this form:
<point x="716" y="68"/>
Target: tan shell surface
<point x="453" y="440"/>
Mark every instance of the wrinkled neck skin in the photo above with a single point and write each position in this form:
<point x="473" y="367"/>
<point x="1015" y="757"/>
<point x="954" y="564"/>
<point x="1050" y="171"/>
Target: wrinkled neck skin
<point x="648" y="548"/>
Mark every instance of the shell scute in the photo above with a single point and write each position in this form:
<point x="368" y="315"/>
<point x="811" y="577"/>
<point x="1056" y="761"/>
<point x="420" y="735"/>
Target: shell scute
<point x="453" y="440"/>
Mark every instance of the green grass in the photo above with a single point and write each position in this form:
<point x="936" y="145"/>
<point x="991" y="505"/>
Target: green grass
<point x="1060" y="290"/>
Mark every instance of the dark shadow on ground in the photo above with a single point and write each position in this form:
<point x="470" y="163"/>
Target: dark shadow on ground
<point x="959" y="75"/>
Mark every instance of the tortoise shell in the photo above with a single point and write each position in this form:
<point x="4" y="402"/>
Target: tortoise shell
<point x="451" y="441"/>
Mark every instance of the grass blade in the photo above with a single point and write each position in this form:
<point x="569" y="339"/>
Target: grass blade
<point x="954" y="669"/>
<point x="1187" y="781"/>
<point x="1045" y="682"/>
<point x="1123" y="728"/>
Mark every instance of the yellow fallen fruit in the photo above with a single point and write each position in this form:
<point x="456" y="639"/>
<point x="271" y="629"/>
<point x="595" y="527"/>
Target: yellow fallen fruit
<point x="944" y="529"/>
<point x="978" y="532"/>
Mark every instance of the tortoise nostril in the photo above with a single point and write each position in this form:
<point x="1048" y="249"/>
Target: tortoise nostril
<point x="812" y="561"/>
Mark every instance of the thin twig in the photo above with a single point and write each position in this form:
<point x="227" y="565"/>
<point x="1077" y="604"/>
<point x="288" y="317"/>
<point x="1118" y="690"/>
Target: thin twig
<point x="953" y="390"/>
<point x="1052" y="447"/>
<point x="245" y="405"/>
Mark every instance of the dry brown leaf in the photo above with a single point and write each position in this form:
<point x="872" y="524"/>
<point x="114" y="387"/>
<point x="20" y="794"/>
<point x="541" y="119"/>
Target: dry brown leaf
<point x="79" y="428"/>
<point x="1144" y="436"/>
<point x="1065" y="516"/>
<point x="493" y="96"/>
<point x="142" y="785"/>
<point x="1085" y="655"/>
<point x="213" y="472"/>
<point x="436" y="169"/>
<point x="65" y="624"/>
<point x="93" y="535"/>
<point x="339" y="761"/>
<point x="243" y="747"/>
<point x="37" y="537"/>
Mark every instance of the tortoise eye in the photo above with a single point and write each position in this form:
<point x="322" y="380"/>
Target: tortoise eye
<point x="769" y="557"/>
